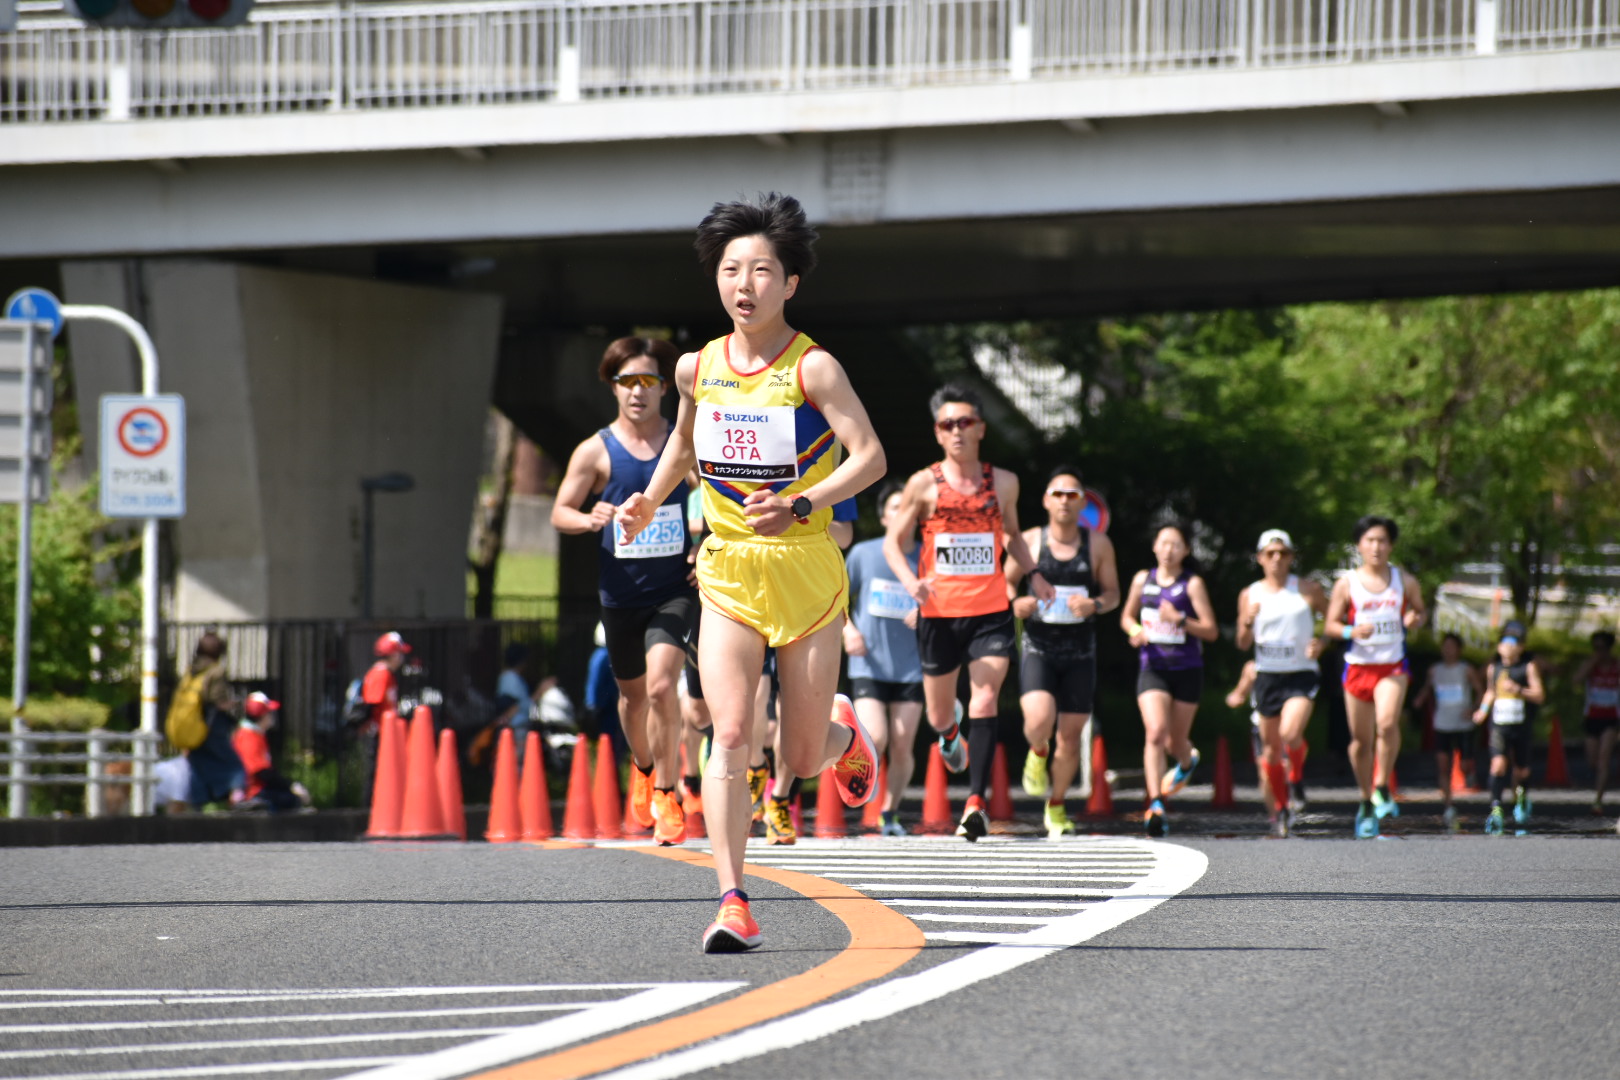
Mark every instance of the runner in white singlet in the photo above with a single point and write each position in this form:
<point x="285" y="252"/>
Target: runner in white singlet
<point x="1277" y="616"/>
<point x="1372" y="607"/>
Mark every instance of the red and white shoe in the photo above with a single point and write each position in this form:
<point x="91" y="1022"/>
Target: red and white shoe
<point x="857" y="771"/>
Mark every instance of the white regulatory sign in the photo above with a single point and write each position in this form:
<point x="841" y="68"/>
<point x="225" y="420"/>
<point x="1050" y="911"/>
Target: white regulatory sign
<point x="143" y="456"/>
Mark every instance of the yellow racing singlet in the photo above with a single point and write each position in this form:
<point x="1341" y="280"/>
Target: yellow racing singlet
<point x="755" y="428"/>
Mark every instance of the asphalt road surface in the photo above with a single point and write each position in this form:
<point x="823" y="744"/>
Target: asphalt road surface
<point x="1017" y="957"/>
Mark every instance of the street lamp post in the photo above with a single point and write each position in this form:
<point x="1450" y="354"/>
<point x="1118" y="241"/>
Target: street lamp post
<point x="397" y="483"/>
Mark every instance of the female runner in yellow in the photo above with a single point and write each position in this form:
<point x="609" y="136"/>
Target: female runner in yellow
<point x="765" y="416"/>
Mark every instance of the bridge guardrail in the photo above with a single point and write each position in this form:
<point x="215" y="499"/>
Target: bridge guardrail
<point x="315" y="57"/>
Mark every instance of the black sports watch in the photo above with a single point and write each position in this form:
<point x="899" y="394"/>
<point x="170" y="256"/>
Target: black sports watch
<point x="800" y="508"/>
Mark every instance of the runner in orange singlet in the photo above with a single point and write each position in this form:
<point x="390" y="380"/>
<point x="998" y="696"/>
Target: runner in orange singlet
<point x="969" y="515"/>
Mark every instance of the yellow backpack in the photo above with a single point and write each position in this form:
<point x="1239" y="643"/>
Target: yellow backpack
<point x="186" y="725"/>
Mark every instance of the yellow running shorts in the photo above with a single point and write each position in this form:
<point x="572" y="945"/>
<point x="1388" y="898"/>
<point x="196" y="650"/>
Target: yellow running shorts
<point x="786" y="587"/>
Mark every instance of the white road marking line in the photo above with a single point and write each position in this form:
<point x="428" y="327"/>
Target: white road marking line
<point x="165" y="998"/>
<point x="1010" y="920"/>
<point x="986" y="890"/>
<point x="539" y="1038"/>
<point x="255" y="1044"/>
<point x="357" y="991"/>
<point x="1176" y="869"/>
<point x="972" y="937"/>
<point x="302" y="1018"/>
<point x="901" y="876"/>
<point x="1019" y="904"/>
<point x="180" y="1072"/>
<point x="966" y="863"/>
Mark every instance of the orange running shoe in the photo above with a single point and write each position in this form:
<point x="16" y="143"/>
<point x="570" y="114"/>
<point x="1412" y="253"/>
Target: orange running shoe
<point x="641" y="794"/>
<point x="669" y="822"/>
<point x="691" y="801"/>
<point x="856" y="771"/>
<point x="733" y="930"/>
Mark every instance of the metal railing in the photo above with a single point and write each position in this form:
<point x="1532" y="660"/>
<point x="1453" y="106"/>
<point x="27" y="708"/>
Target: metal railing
<point x="298" y="56"/>
<point x="94" y="751"/>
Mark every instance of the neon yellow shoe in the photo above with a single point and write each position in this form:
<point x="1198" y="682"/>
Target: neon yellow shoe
<point x="1036" y="781"/>
<point x="758" y="780"/>
<point x="1057" y="822"/>
<point x="779" y="823"/>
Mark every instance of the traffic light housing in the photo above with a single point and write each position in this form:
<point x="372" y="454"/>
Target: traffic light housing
<point x="161" y="14"/>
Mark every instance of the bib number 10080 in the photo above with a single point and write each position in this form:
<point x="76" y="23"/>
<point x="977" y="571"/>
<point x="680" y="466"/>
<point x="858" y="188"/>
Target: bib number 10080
<point x="957" y="554"/>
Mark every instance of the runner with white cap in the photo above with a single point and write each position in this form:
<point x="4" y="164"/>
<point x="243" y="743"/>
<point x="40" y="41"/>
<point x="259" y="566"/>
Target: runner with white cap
<point x="1276" y="616"/>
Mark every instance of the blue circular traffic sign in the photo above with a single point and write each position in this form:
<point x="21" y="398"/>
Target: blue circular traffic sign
<point x="36" y="305"/>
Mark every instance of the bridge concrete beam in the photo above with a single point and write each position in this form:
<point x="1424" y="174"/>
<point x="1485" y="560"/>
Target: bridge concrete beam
<point x="1077" y="101"/>
<point x="1445" y="148"/>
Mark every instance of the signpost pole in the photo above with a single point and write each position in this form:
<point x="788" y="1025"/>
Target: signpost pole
<point x="141" y="789"/>
<point x="25" y="530"/>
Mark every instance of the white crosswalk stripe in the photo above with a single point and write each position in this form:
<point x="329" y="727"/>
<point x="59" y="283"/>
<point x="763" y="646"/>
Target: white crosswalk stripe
<point x="1011" y="879"/>
<point x="148" y="1034"/>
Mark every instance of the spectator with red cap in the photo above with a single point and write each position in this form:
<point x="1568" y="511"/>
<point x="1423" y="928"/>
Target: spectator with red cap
<point x="265" y="787"/>
<point x="380" y="691"/>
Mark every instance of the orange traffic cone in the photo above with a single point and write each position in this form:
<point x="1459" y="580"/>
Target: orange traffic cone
<point x="829" y="807"/>
<point x="1459" y="782"/>
<point x="387" y="785"/>
<point x="534" y="796"/>
<point x="1001" y="804"/>
<point x="1101" y="803"/>
<point x="579" y="819"/>
<point x="1223" y="799"/>
<point x="605" y="793"/>
<point x="505" y="819"/>
<point x="448" y="771"/>
<point x="872" y="816"/>
<point x="421" y="819"/>
<point x="936" y="816"/>
<point x="1557" y="766"/>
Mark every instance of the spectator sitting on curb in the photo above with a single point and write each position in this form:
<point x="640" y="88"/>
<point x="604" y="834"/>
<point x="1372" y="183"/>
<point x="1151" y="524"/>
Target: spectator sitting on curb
<point x="265" y="787"/>
<point x="216" y="771"/>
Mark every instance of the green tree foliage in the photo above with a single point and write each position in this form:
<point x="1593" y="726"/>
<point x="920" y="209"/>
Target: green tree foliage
<point x="1486" y="426"/>
<point x="83" y="570"/>
<point x="1483" y="425"/>
<point x="82" y="600"/>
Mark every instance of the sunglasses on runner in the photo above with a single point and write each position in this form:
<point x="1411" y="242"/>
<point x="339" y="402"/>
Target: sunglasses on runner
<point x="641" y="378"/>
<point x="1065" y="493"/>
<point x="957" y="423"/>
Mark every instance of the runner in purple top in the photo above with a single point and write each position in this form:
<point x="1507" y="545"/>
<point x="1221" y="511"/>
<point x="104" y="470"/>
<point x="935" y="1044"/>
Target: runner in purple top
<point x="1167" y="615"/>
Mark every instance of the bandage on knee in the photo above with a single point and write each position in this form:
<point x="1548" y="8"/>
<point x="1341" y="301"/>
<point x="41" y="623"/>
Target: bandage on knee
<point x="726" y="762"/>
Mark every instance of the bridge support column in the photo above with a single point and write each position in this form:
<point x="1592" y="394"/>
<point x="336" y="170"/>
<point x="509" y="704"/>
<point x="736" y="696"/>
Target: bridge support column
<point x="298" y="385"/>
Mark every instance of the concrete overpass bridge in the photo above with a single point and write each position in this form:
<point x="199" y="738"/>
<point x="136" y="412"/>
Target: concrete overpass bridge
<point x="347" y="222"/>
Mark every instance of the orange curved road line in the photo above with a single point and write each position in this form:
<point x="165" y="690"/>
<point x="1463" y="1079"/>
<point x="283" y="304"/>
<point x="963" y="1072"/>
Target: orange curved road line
<point x="880" y="940"/>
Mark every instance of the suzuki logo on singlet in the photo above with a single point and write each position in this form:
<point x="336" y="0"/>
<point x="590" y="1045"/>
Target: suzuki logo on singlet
<point x="717" y="417"/>
<point x="744" y="418"/>
<point x="730" y="384"/>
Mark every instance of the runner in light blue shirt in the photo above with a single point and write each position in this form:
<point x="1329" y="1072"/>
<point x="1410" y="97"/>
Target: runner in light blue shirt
<point x="885" y="673"/>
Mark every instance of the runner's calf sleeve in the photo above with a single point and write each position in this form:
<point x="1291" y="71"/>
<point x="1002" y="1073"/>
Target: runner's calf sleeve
<point x="1279" y="784"/>
<point x="727" y="762"/>
<point x="1296" y="763"/>
<point x="981" y="752"/>
<point x="1498" y="785"/>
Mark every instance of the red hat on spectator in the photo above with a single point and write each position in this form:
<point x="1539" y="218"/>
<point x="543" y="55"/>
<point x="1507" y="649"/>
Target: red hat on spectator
<point x="391" y="643"/>
<point x="258" y="704"/>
